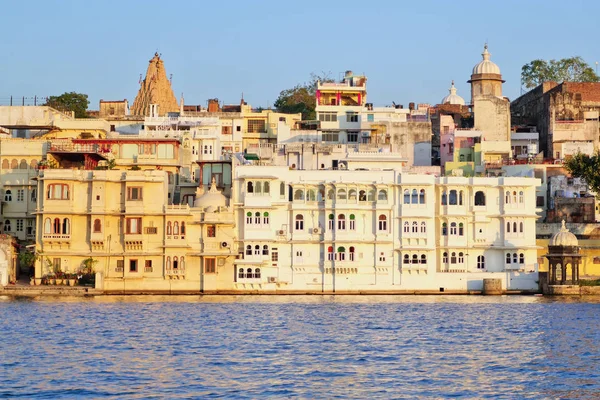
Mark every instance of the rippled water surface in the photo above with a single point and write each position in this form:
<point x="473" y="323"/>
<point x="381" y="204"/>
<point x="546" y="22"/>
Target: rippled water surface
<point x="316" y="347"/>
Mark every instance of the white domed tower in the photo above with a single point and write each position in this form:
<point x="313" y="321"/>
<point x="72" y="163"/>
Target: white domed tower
<point x="486" y="79"/>
<point x="563" y="254"/>
<point x="453" y="98"/>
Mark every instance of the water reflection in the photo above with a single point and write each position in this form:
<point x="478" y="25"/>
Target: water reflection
<point x="300" y="347"/>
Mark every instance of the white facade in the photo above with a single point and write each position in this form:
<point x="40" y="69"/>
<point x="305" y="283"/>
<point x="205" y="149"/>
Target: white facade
<point x="361" y="231"/>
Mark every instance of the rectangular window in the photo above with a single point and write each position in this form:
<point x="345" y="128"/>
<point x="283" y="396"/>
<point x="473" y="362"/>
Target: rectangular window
<point x="330" y="137"/>
<point x="351" y="117"/>
<point x="256" y="126"/>
<point x="539" y="201"/>
<point x="352" y="137"/>
<point x="150" y="230"/>
<point x="20" y="194"/>
<point x="370" y="118"/>
<point x="274" y="255"/>
<point x="134" y="193"/>
<point x="120" y="264"/>
<point x="328" y="116"/>
<point x="211" y="231"/>
<point x="133" y="265"/>
<point x="19" y="225"/>
<point x="133" y="226"/>
<point x="56" y="263"/>
<point x="148" y="266"/>
<point x="226" y="130"/>
<point x="210" y="266"/>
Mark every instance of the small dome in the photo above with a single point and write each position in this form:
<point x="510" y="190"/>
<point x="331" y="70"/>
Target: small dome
<point x="486" y="66"/>
<point x="564" y="238"/>
<point x="453" y="98"/>
<point x="212" y="198"/>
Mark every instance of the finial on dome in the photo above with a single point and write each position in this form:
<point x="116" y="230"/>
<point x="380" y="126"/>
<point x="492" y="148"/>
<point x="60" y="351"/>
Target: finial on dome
<point x="564" y="227"/>
<point x="486" y="54"/>
<point x="452" y="82"/>
<point x="213" y="185"/>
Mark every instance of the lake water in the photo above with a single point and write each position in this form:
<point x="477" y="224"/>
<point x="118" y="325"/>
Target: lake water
<point x="311" y="347"/>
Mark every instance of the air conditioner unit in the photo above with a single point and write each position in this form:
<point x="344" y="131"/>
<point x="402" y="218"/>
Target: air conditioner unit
<point x="316" y="231"/>
<point x="224" y="244"/>
<point x="271" y="279"/>
<point x="281" y="232"/>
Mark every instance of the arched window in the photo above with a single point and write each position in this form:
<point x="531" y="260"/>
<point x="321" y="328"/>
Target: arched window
<point x="299" y="222"/>
<point x="7" y="225"/>
<point x="341" y="253"/>
<point x="168" y="265"/>
<point x="248" y="250"/>
<point x="250" y="187"/>
<point x="33" y="164"/>
<point x="299" y="194"/>
<point x="382" y="223"/>
<point x="352" y="222"/>
<point x="182" y="227"/>
<point x="514" y="227"/>
<point x="14" y="164"/>
<point x="257" y="273"/>
<point x="311" y="195"/>
<point x="415" y="197"/>
<point x="521" y="258"/>
<point x="480" y="262"/>
<point x="258" y="187"/>
<point x="521" y="197"/>
<point x="371" y="195"/>
<point x="330" y="194"/>
<point x="453" y="228"/>
<point x="453" y="258"/>
<point x="8" y="195"/>
<point x="266" y="218"/>
<point x="169" y="228"/>
<point x="351" y="254"/>
<point x="508" y="227"/>
<point x="406" y="228"/>
<point x="452" y="199"/>
<point x="341" y="222"/>
<point x="444" y="229"/>
<point x="352" y="194"/>
<point x="66" y="226"/>
<point x="267" y="188"/>
<point x="282" y="190"/>
<point x="330" y="253"/>
<point x="444" y="198"/>
<point x="461" y="158"/>
<point x="47" y="226"/>
<point x="175" y="263"/>
<point x="445" y="258"/>
<point x="507" y="197"/>
<point x="406" y="259"/>
<point x="382" y="195"/>
<point x="460" y="198"/>
<point x="257" y="250"/>
<point x="176" y="228"/>
<point x="257" y="218"/>
<point x="415" y="259"/>
<point x="362" y="196"/>
<point x="182" y="263"/>
<point x="406" y="196"/>
<point x="56" y="226"/>
<point x="341" y="194"/>
<point x="249" y="273"/>
<point x="330" y="222"/>
<point x="249" y="218"/>
<point x="422" y="196"/>
<point x="461" y="258"/>
<point x="514" y="258"/>
<point x="5" y="164"/>
<point x="508" y="258"/>
<point x="265" y="251"/>
<point x="97" y="226"/>
<point x="241" y="273"/>
<point x="423" y="227"/>
<point x="514" y="197"/>
<point x="480" y="198"/>
<point x="23" y="164"/>
<point x="520" y="227"/>
<point x="423" y="259"/>
<point x="461" y="229"/>
<point x="415" y="227"/>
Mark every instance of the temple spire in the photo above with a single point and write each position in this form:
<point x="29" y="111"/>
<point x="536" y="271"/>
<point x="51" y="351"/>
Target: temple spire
<point x="155" y="89"/>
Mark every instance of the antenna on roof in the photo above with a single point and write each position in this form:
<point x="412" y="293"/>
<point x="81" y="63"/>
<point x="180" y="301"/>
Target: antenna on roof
<point x="171" y="79"/>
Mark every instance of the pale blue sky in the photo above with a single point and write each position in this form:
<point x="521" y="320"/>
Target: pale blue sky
<point x="410" y="51"/>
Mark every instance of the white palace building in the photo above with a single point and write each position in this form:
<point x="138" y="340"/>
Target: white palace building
<point x="381" y="231"/>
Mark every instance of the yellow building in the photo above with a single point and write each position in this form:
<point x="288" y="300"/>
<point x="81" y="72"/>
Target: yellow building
<point x="121" y="224"/>
<point x="262" y="126"/>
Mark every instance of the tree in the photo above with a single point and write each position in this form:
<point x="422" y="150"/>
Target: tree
<point x="301" y="98"/>
<point x="572" y="69"/>
<point x="587" y="168"/>
<point x="71" y="101"/>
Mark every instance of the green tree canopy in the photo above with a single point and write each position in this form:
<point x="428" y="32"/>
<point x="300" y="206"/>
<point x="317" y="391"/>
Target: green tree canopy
<point x="301" y="98"/>
<point x="586" y="167"/>
<point x="71" y="101"/>
<point x="572" y="69"/>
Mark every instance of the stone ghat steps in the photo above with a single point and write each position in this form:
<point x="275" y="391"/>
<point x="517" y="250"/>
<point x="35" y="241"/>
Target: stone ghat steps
<point x="48" y="291"/>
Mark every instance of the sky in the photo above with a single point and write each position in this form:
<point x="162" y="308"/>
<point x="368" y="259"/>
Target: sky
<point x="410" y="51"/>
